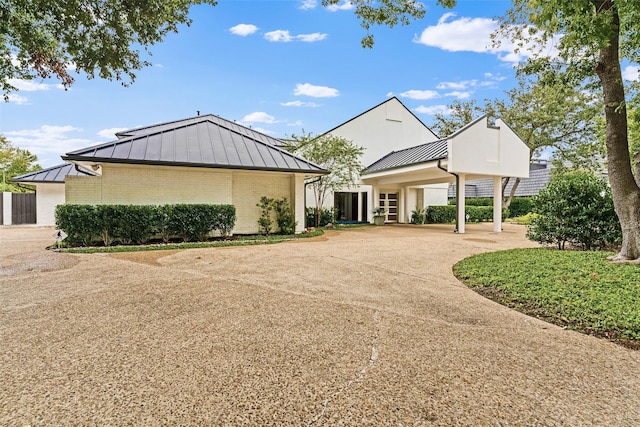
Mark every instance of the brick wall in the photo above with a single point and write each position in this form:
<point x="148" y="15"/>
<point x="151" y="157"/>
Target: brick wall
<point x="156" y="185"/>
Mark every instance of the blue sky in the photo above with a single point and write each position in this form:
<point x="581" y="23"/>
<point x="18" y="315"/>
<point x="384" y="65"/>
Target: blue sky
<point x="277" y="66"/>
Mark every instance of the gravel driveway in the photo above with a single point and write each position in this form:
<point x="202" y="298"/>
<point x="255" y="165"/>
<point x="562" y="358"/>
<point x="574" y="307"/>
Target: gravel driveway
<point x="359" y="327"/>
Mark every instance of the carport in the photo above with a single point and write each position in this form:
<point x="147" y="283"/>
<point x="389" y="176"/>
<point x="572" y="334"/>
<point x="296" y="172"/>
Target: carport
<point x="478" y="150"/>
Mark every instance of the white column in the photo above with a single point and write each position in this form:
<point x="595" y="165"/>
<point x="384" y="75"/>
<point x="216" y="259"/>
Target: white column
<point x="460" y="203"/>
<point x="401" y="206"/>
<point x="6" y="208"/>
<point x="297" y="202"/>
<point x="376" y="200"/>
<point x="497" y="204"/>
<point x="359" y="207"/>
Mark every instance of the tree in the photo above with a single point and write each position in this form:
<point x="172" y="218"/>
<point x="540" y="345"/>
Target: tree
<point x="336" y="154"/>
<point x="48" y="38"/>
<point x="551" y="115"/>
<point x="596" y="36"/>
<point x="460" y="113"/>
<point x="14" y="162"/>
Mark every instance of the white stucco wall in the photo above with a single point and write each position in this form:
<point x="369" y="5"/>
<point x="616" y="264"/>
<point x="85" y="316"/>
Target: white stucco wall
<point x="385" y="128"/>
<point x="436" y="194"/>
<point x="48" y="196"/>
<point x="480" y="149"/>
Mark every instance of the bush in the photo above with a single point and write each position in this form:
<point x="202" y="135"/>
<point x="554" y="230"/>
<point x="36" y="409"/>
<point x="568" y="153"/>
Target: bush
<point x="419" y="216"/>
<point x="520" y="206"/>
<point x="575" y="208"/>
<point x="284" y="216"/>
<point x="475" y="201"/>
<point x="327" y="216"/>
<point x="85" y="224"/>
<point x="447" y="214"/>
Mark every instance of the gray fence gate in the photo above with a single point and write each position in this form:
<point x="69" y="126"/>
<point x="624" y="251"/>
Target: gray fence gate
<point x="23" y="208"/>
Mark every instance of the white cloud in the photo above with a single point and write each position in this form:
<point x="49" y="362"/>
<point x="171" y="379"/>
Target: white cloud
<point x="433" y="109"/>
<point x="315" y="91"/>
<point x="299" y="104"/>
<point x="278" y="36"/>
<point x="631" y="73"/>
<point x="310" y="38"/>
<point x="29" y="85"/>
<point x="48" y="142"/>
<point x="18" y="99"/>
<point x="259" y="117"/>
<point x="420" y="94"/>
<point x="243" y="29"/>
<point x="459" y="94"/>
<point x="284" y="36"/>
<point x="308" y="4"/>
<point x="474" y="35"/>
<point x="297" y="123"/>
<point x="461" y="85"/>
<point x="345" y="5"/>
<point x="110" y="133"/>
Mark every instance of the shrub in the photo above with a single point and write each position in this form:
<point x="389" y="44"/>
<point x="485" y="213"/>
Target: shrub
<point x="327" y="216"/>
<point x="85" y="224"/>
<point x="576" y="207"/>
<point x="79" y="222"/>
<point x="285" y="217"/>
<point x="475" y="201"/>
<point x="441" y="214"/>
<point x="520" y="206"/>
<point x="419" y="216"/>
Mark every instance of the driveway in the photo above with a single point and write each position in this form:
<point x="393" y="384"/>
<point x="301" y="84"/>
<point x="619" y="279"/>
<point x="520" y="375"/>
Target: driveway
<point x="360" y="327"/>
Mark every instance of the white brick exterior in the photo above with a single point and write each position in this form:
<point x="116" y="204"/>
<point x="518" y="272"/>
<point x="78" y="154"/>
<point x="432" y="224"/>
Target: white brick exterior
<point x="156" y="185"/>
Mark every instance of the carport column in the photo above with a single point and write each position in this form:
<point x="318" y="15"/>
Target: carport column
<point x="460" y="203"/>
<point x="376" y="200"/>
<point x="6" y="208"/>
<point x="497" y="204"/>
<point x="401" y="206"/>
<point x="359" y="207"/>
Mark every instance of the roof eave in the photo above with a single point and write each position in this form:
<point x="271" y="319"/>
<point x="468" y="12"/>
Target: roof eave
<point x="193" y="165"/>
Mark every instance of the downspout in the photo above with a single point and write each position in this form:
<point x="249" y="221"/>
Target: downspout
<point x="457" y="190"/>
<point x="77" y="168"/>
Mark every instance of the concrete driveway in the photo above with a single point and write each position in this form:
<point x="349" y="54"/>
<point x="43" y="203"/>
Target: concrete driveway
<point x="359" y="327"/>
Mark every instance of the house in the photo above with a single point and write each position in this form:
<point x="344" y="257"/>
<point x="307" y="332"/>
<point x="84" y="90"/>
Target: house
<point x="410" y="167"/>
<point x="387" y="126"/>
<point x="478" y="150"/>
<point x="50" y="191"/>
<point x="203" y="159"/>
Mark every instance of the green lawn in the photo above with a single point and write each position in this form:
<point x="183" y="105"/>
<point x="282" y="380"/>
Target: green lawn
<point x="580" y="290"/>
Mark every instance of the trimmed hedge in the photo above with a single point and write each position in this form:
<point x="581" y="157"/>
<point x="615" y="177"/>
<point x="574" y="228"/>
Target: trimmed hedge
<point x="87" y="224"/>
<point x="519" y="206"/>
<point x="447" y="214"/>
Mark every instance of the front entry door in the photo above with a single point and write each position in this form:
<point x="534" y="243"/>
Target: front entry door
<point x="389" y="201"/>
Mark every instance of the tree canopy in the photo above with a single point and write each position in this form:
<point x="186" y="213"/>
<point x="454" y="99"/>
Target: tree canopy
<point x="336" y="154"/>
<point x="50" y="38"/>
<point x="14" y="162"/>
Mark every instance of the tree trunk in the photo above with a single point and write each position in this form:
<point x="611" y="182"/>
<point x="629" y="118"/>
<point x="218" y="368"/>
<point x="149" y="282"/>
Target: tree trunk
<point x="625" y="190"/>
<point x="504" y="189"/>
<point x="512" y="193"/>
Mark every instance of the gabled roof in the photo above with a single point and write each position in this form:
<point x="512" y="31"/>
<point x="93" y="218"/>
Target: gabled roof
<point x="410" y="156"/>
<point x="538" y="179"/>
<point x="376" y="106"/>
<point x="203" y="141"/>
<point x="54" y="174"/>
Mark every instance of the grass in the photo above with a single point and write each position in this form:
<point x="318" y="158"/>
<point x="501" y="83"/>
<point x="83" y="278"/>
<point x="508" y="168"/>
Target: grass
<point x="236" y="241"/>
<point x="579" y="290"/>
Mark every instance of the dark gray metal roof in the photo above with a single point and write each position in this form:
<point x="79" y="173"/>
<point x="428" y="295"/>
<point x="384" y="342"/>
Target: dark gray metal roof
<point x="54" y="174"/>
<point x="203" y="141"/>
<point x="410" y="156"/>
<point x="163" y="127"/>
<point x="538" y="179"/>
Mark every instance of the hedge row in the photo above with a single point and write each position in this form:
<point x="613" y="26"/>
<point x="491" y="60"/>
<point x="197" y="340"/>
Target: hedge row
<point x="447" y="214"/>
<point x="127" y="224"/>
<point x="519" y="206"/>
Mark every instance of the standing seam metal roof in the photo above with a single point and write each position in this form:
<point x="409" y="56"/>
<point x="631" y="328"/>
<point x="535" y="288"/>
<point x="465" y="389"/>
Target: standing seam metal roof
<point x="203" y="141"/>
<point x="430" y="151"/>
<point x="54" y="174"/>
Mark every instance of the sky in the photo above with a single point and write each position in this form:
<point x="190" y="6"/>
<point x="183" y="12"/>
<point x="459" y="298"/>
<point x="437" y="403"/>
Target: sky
<point x="282" y="67"/>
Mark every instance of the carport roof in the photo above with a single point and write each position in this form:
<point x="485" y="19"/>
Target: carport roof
<point x="202" y="141"/>
<point x="54" y="174"/>
<point x="410" y="156"/>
